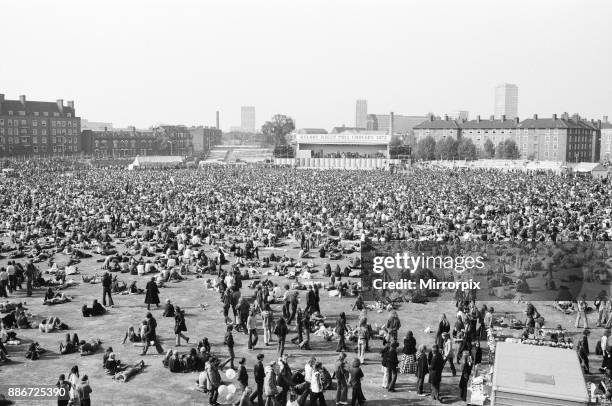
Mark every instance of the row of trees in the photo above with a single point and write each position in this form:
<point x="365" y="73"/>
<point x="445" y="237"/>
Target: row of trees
<point x="448" y="148"/>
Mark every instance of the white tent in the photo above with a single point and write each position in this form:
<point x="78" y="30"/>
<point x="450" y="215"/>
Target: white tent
<point x="156" y="160"/>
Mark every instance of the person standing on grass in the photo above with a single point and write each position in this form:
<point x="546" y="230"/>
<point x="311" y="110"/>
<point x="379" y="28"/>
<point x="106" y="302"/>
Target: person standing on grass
<point x="342" y="377"/>
<point x="107" y="281"/>
<point x="252" y="329"/>
<point x="180" y="326"/>
<point x="316" y="386"/>
<point x="447" y="352"/>
<point x="151" y="335"/>
<point x="281" y="331"/>
<point x="466" y="370"/>
<point x="152" y="295"/>
<point x="85" y="391"/>
<point x="266" y="315"/>
<point x="356" y="375"/>
<point x="341" y="331"/>
<point x="64" y="391"/>
<point x="392" y="364"/>
<point x="422" y="369"/>
<point x="213" y="381"/>
<point x="435" y="372"/>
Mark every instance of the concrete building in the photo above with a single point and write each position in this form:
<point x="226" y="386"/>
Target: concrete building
<point x="564" y="138"/>
<point x="361" y="114"/>
<point x="38" y="128"/>
<point x="401" y="124"/>
<point x="174" y="140"/>
<point x="506" y="101"/>
<point x="437" y="128"/>
<point x="204" y="138"/>
<point x="606" y="140"/>
<point x="247" y="119"/>
<point x="120" y="143"/>
<point x="95" y="125"/>
<point x="496" y="130"/>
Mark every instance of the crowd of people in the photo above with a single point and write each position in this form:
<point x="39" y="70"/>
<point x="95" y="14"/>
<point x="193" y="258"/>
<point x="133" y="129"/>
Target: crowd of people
<point x="214" y="223"/>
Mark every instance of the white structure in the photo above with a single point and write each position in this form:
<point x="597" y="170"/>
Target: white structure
<point x="346" y="144"/>
<point x="506" y="101"/>
<point x="156" y="161"/>
<point x="361" y="114"/>
<point x="247" y="119"/>
<point x="606" y="140"/>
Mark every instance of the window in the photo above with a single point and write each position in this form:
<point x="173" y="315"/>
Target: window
<point x="34" y="132"/>
<point x="36" y="114"/>
<point x="10" y="131"/>
<point x="46" y="114"/>
<point x="10" y="112"/>
<point x="35" y="149"/>
<point x="10" y="122"/>
<point x="24" y="122"/>
<point x="44" y="139"/>
<point x="69" y="123"/>
<point x="55" y="114"/>
<point x="69" y="132"/>
<point x="34" y="123"/>
<point x="53" y="132"/>
<point x="69" y="115"/>
<point x="22" y="113"/>
<point x="44" y="132"/>
<point x="34" y="140"/>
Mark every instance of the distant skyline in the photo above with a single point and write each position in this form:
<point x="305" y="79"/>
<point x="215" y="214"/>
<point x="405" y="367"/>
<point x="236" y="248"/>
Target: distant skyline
<point x="140" y="62"/>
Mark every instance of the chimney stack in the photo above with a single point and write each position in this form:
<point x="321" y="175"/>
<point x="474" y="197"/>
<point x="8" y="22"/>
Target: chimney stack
<point x="554" y="116"/>
<point x="565" y="116"/>
<point x="217" y="119"/>
<point x="70" y="104"/>
<point x="503" y="118"/>
<point x="478" y="118"/>
<point x="446" y="117"/>
<point x="391" y="123"/>
<point x="431" y="117"/>
<point x="605" y="118"/>
<point x="516" y="120"/>
<point x="535" y="116"/>
<point x="60" y="105"/>
<point x="599" y="124"/>
<point x="22" y="99"/>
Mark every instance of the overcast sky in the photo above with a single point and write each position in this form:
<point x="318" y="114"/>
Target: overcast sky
<point x="178" y="61"/>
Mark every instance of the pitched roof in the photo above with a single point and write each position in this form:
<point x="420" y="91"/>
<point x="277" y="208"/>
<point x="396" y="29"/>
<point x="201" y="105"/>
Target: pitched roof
<point x="438" y="125"/>
<point x="488" y="124"/>
<point x="561" y="123"/>
<point x="33" y="106"/>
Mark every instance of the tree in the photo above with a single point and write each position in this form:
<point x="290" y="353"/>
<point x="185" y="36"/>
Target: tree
<point x="425" y="148"/>
<point x="500" y="151"/>
<point x="396" y="141"/>
<point x="489" y="148"/>
<point x="277" y="128"/>
<point x="511" y="150"/>
<point x="466" y="150"/>
<point x="446" y="148"/>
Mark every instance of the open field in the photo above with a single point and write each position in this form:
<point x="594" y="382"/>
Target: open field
<point x="157" y="386"/>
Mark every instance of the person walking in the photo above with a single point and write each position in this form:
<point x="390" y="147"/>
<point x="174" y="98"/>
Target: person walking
<point x="362" y="339"/>
<point x="85" y="391"/>
<point x="466" y="370"/>
<point x="259" y="373"/>
<point x="447" y="352"/>
<point x="267" y="318"/>
<point x="213" y="381"/>
<point x="152" y="294"/>
<point x="281" y="331"/>
<point x="107" y="281"/>
<point x="180" y="326"/>
<point x="582" y="308"/>
<point x="63" y="396"/>
<point x="341" y="331"/>
<point x="316" y="386"/>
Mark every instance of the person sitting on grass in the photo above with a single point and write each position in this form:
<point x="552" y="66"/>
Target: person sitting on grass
<point x="34" y="351"/>
<point x="174" y="363"/>
<point x="70" y="346"/>
<point x="89" y="347"/>
<point x="96" y="309"/>
<point x="132" y="335"/>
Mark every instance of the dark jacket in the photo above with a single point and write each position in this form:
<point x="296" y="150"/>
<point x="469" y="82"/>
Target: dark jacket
<point x="243" y="376"/>
<point x="152" y="296"/>
<point x="259" y="372"/>
<point x="422" y="368"/>
<point x="435" y="368"/>
<point x="392" y="361"/>
<point x="179" y="323"/>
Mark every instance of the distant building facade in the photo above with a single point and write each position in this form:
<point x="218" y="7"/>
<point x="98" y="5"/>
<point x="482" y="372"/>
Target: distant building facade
<point x="361" y="114"/>
<point x="506" y="101"/>
<point x="606" y="140"/>
<point x="204" y="137"/>
<point x="120" y="143"/>
<point x="437" y="128"/>
<point x="174" y="140"/>
<point x="38" y="128"/>
<point x="496" y="130"/>
<point x="401" y="124"/>
<point x="95" y="125"/>
<point x="247" y="119"/>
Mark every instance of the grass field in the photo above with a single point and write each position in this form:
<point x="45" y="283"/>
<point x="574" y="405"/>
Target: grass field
<point x="157" y="386"/>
